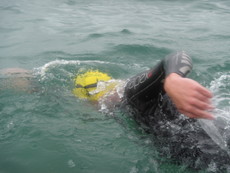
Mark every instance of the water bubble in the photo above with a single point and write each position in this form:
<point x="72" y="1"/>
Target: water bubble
<point x="134" y="170"/>
<point x="71" y="163"/>
<point x="10" y="125"/>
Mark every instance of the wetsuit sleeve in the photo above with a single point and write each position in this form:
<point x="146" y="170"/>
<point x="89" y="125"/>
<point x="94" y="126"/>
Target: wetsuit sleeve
<point x="179" y="63"/>
<point x="147" y="85"/>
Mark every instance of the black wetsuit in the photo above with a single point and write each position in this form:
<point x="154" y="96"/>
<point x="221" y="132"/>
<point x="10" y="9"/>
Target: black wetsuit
<point x="178" y="137"/>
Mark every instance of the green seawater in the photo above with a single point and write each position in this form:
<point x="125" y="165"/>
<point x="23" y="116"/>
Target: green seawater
<point x="50" y="130"/>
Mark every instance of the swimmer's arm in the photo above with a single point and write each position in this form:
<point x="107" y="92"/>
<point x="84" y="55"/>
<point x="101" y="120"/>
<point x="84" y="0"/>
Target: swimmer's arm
<point x="190" y="98"/>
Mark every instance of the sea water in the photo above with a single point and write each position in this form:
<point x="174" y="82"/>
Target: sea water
<point x="49" y="129"/>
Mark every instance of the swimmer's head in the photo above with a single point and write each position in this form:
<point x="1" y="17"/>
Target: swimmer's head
<point x="86" y="85"/>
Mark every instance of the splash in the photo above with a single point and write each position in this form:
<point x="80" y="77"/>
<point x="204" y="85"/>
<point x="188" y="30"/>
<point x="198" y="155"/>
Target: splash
<point x="220" y="87"/>
<point x="214" y="133"/>
<point x="217" y="129"/>
<point x="109" y="101"/>
<point x="53" y="64"/>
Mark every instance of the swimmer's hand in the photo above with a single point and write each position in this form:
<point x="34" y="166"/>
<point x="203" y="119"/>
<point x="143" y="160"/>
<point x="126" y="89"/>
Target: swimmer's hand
<point x="190" y="98"/>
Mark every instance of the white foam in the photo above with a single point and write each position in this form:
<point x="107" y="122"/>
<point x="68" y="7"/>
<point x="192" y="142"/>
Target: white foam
<point x="43" y="69"/>
<point x="222" y="80"/>
<point x="110" y="99"/>
<point x="220" y="88"/>
<point x="71" y="163"/>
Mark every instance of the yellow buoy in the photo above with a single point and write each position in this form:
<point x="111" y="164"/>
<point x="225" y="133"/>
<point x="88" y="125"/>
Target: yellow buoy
<point x="87" y="85"/>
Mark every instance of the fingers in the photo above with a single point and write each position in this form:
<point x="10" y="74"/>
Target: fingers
<point x="205" y="92"/>
<point x="201" y="114"/>
<point x="202" y="99"/>
<point x="191" y="99"/>
<point x="202" y="105"/>
<point x="198" y="109"/>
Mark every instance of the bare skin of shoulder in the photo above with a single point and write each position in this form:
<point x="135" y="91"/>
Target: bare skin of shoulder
<point x="16" y="78"/>
<point x="19" y="72"/>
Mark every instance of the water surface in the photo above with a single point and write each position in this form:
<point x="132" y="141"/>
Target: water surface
<point x="51" y="130"/>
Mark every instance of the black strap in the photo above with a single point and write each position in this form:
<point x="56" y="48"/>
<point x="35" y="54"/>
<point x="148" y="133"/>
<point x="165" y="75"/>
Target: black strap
<point x="94" y="85"/>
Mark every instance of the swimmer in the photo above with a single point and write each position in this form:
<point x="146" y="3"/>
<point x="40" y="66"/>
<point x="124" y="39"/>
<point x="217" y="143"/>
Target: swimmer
<point x="158" y="99"/>
<point x="167" y="78"/>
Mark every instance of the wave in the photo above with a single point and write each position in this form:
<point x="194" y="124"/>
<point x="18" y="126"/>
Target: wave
<point x="67" y="69"/>
<point x="72" y="62"/>
<point x="109" y="34"/>
<point x="141" y="50"/>
<point x="12" y="8"/>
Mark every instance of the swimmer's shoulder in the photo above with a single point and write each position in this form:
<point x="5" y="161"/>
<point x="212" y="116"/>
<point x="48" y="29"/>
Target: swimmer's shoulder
<point x="15" y="72"/>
